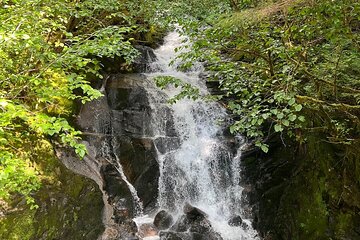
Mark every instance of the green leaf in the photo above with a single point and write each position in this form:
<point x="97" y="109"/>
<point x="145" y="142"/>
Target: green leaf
<point x="274" y="111"/>
<point x="264" y="148"/>
<point x="280" y="115"/>
<point x="278" y="128"/>
<point x="298" y="107"/>
<point x="265" y="116"/>
<point x="292" y="117"/>
<point x="291" y="101"/>
<point x="301" y="118"/>
<point x="285" y="122"/>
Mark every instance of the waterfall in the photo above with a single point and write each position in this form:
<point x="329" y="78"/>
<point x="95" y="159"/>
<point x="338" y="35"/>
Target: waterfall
<point x="201" y="169"/>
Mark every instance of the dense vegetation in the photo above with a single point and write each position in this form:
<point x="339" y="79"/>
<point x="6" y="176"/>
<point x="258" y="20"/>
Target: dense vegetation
<point x="287" y="68"/>
<point x="289" y="73"/>
<point x="48" y="52"/>
<point x="290" y="66"/>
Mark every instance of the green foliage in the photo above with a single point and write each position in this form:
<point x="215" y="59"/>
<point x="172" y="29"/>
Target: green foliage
<point x="287" y="67"/>
<point x="184" y="13"/>
<point x="187" y="90"/>
<point x="65" y="199"/>
<point x="16" y="174"/>
<point x="48" y="50"/>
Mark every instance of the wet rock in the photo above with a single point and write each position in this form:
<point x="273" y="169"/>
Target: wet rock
<point x="119" y="196"/>
<point x="117" y="129"/>
<point x="127" y="230"/>
<point x="147" y="230"/>
<point x="194" y="225"/>
<point x="193" y="213"/>
<point x="163" y="220"/>
<point x="245" y="226"/>
<point x="110" y="233"/>
<point x="132" y="238"/>
<point x="138" y="159"/>
<point x="164" y="144"/>
<point x="235" y="221"/>
<point x="199" y="236"/>
<point x="181" y="225"/>
<point x="123" y="92"/>
<point x="174" y="236"/>
<point x="141" y="63"/>
<point x="136" y="122"/>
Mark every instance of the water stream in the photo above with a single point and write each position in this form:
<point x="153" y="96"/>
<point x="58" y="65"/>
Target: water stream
<point x="201" y="170"/>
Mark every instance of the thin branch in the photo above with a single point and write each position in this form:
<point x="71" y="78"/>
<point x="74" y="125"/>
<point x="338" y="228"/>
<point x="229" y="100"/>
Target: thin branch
<point x="342" y="106"/>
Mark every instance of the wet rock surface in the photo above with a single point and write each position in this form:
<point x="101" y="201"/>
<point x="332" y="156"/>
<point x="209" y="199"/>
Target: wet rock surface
<point x="147" y="230"/>
<point x="193" y="225"/>
<point x="163" y="220"/>
<point x="235" y="221"/>
<point x="119" y="196"/>
<point x="118" y="135"/>
<point x="141" y="63"/>
<point x="295" y="191"/>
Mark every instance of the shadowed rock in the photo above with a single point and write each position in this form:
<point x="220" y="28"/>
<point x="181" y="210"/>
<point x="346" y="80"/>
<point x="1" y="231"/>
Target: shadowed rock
<point x="235" y="221"/>
<point x="163" y="220"/>
<point x="193" y="225"/>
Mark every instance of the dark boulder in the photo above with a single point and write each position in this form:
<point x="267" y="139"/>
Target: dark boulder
<point x="235" y="221"/>
<point x="193" y="213"/>
<point x="147" y="56"/>
<point x="163" y="220"/>
<point x="175" y="236"/>
<point x="192" y="225"/>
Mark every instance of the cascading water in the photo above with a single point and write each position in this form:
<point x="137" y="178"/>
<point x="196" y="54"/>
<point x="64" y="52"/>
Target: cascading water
<point x="201" y="170"/>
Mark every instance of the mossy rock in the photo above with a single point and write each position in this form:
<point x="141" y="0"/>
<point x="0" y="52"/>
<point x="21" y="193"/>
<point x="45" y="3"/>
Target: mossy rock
<point x="69" y="206"/>
<point x="306" y="192"/>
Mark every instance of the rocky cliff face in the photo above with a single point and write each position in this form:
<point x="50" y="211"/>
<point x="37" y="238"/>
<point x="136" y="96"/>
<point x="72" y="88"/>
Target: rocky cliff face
<point x="121" y="171"/>
<point x="122" y="155"/>
<point x="309" y="191"/>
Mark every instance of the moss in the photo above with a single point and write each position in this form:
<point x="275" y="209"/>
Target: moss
<point x="317" y="189"/>
<point x="69" y="206"/>
<point x="14" y="228"/>
<point x="343" y="221"/>
<point x="154" y="36"/>
<point x="310" y="192"/>
<point x="311" y="222"/>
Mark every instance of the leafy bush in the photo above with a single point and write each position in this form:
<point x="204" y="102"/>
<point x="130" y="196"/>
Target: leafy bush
<point x="290" y="66"/>
<point x="48" y="49"/>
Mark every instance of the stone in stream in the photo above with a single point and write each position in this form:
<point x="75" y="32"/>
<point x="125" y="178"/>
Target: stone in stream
<point x="174" y="236"/>
<point x="193" y="225"/>
<point x="147" y="230"/>
<point x="235" y="221"/>
<point x="193" y="213"/>
<point x="163" y="220"/>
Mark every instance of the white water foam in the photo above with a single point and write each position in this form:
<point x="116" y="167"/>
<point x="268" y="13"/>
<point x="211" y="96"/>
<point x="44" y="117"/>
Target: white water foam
<point x="201" y="171"/>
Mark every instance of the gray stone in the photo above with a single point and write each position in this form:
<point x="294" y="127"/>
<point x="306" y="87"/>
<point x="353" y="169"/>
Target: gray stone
<point x="163" y="220"/>
<point x="195" y="225"/>
<point x="174" y="236"/>
<point x="141" y="63"/>
<point x="235" y="221"/>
